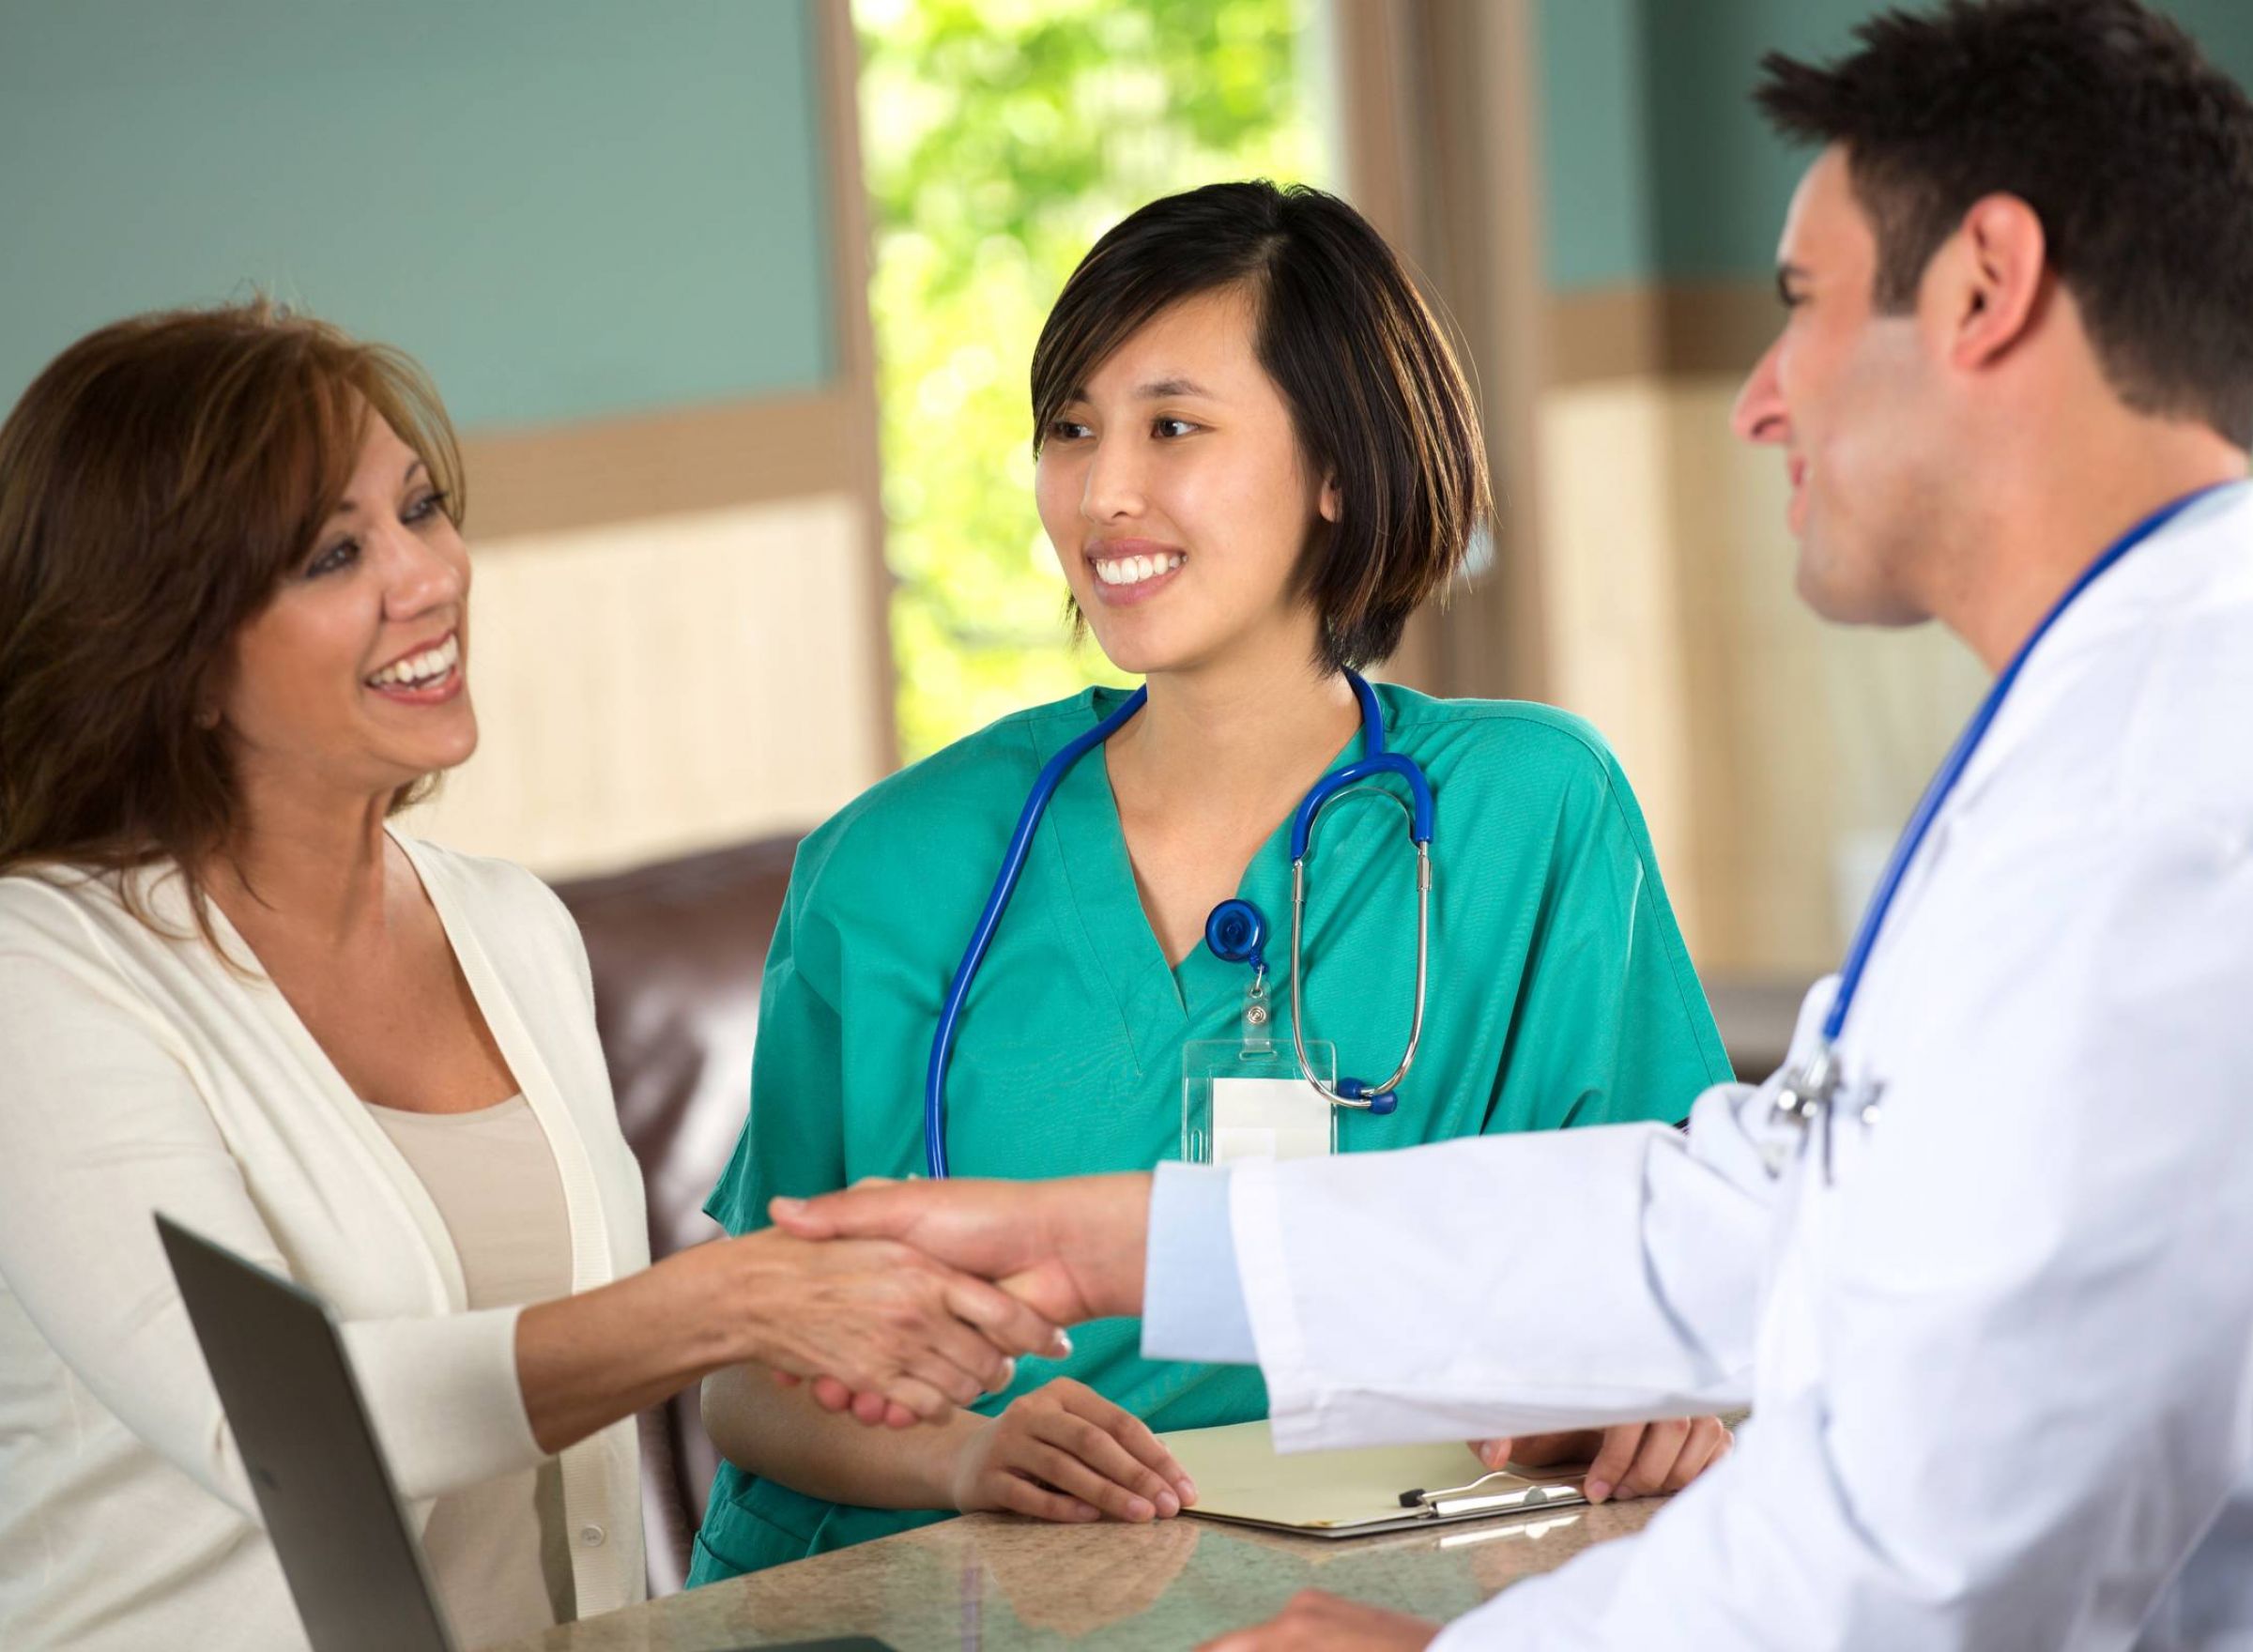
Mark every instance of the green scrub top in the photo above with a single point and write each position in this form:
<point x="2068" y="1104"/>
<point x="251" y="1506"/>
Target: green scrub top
<point x="1560" y="994"/>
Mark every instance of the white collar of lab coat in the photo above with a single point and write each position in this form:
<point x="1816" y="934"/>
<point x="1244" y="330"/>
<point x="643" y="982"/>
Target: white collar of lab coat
<point x="2168" y="573"/>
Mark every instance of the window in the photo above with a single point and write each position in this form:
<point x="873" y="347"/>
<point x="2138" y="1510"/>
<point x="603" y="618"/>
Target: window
<point x="1001" y="139"/>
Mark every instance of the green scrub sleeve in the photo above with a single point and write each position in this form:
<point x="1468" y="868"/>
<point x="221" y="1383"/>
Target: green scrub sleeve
<point x="794" y="1143"/>
<point x="1611" y="1026"/>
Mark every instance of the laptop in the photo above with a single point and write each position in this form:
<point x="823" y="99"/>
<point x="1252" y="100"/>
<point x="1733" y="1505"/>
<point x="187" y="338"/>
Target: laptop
<point x="354" y="1567"/>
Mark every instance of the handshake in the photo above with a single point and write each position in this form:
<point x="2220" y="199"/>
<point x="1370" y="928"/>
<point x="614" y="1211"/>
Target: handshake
<point x="915" y="1297"/>
<point x="904" y="1300"/>
<point x="900" y="1301"/>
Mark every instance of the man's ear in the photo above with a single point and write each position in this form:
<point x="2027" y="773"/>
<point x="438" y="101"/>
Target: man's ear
<point x="1997" y="279"/>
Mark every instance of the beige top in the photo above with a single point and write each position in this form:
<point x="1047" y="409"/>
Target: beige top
<point x="497" y="1549"/>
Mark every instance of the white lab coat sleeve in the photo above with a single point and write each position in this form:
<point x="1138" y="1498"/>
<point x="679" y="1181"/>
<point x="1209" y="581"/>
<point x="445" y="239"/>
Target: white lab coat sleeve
<point x="101" y="1127"/>
<point x="1193" y="1301"/>
<point x="1510" y="1284"/>
<point x="2036" y="1343"/>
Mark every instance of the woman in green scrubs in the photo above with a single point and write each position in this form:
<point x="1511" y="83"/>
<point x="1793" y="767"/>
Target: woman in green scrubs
<point x="1256" y="457"/>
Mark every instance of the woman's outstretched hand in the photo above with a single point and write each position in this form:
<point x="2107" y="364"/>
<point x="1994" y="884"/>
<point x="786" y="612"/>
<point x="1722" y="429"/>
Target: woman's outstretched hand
<point x="1071" y="1249"/>
<point x="882" y="1320"/>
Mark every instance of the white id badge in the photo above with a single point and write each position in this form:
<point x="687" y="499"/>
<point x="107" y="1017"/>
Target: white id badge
<point x="1246" y="1104"/>
<point x="1269" y="1118"/>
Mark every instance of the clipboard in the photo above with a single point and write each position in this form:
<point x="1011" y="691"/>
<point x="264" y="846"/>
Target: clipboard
<point x="1243" y="1480"/>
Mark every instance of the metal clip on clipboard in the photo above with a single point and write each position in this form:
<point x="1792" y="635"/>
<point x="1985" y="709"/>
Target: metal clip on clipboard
<point x="1456" y="1500"/>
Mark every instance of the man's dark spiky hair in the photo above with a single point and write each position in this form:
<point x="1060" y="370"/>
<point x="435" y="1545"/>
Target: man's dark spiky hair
<point x="2103" y="117"/>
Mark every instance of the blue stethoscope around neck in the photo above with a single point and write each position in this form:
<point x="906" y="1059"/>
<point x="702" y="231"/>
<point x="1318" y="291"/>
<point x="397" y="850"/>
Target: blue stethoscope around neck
<point x="1235" y="932"/>
<point x="1809" y="1088"/>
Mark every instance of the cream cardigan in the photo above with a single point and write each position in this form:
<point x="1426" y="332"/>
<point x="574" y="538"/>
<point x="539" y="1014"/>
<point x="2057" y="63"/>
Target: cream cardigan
<point x="138" y="1074"/>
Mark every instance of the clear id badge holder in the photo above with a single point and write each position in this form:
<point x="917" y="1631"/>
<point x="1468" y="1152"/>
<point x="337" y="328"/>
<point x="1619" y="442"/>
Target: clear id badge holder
<point x="1246" y="1097"/>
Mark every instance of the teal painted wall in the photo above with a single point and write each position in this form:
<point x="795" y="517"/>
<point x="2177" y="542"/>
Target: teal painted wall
<point x="1595" y="143"/>
<point x="1655" y="164"/>
<point x="566" y="208"/>
<point x="1720" y="178"/>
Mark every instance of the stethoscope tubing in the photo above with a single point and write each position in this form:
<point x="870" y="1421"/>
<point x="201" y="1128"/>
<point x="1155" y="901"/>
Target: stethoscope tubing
<point x="1959" y="758"/>
<point x="1807" y="1089"/>
<point x="1376" y="759"/>
<point x="1013" y="864"/>
<point x="1380" y="1097"/>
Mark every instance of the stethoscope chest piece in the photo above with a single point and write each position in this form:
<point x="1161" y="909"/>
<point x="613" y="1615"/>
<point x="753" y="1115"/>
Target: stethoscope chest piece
<point x="1807" y="1089"/>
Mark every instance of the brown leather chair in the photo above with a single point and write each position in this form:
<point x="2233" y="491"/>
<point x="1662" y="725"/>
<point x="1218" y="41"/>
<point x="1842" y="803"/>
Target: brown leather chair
<point x="677" y="950"/>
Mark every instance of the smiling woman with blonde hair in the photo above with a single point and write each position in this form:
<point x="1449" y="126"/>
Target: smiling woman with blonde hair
<point x="233" y="640"/>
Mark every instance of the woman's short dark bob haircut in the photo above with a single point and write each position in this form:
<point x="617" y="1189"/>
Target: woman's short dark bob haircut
<point x="1375" y="393"/>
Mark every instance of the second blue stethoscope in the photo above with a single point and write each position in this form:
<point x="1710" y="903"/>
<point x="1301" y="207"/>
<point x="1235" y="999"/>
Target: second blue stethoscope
<point x="1809" y="1088"/>
<point x="1235" y="932"/>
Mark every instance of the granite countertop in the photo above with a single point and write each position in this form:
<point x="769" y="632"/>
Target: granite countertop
<point x="999" y="1582"/>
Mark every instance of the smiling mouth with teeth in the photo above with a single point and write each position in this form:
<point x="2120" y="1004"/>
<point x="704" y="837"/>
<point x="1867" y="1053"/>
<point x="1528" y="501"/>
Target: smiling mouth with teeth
<point x="1134" y="569"/>
<point x="431" y="666"/>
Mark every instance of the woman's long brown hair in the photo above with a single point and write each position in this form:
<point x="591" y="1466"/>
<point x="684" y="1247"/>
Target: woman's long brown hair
<point x="158" y="481"/>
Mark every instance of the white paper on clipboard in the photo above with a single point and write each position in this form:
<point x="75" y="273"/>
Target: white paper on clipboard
<point x="1241" y="1479"/>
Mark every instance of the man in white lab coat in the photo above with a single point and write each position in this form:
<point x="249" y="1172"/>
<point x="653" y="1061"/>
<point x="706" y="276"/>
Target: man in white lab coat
<point x="1992" y="1308"/>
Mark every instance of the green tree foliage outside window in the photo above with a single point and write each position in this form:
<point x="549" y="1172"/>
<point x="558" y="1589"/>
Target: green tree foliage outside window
<point x="1002" y="137"/>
